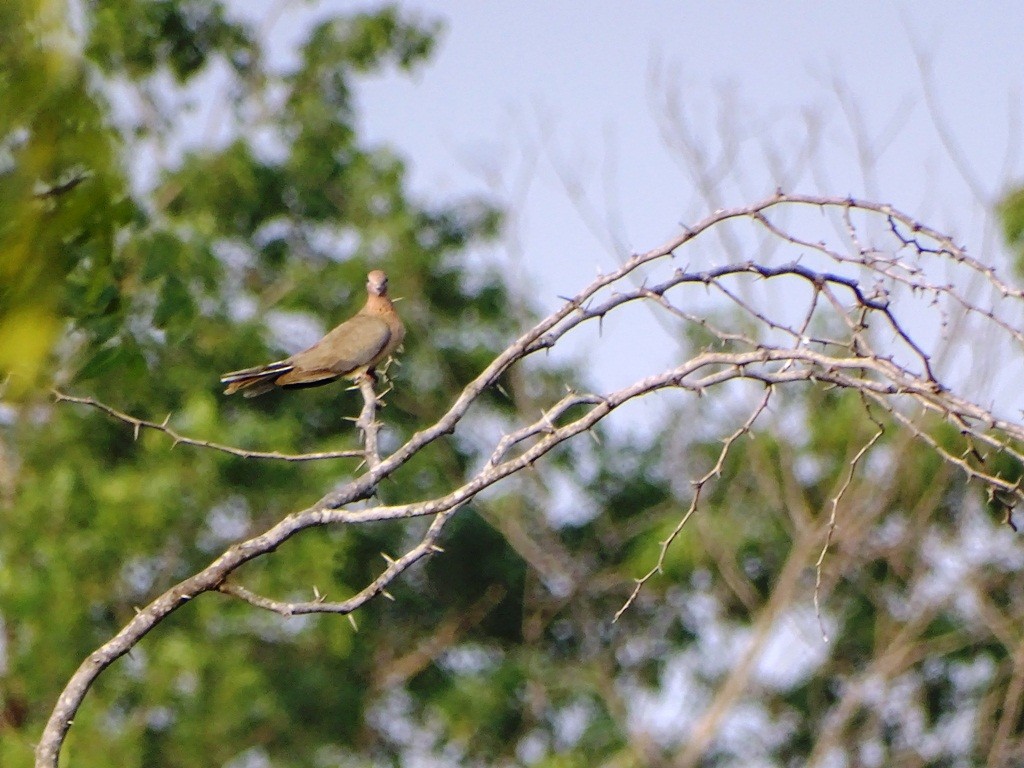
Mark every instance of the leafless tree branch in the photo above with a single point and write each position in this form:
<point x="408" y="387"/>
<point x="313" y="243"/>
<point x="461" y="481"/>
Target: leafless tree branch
<point x="833" y="514"/>
<point x="138" y="425"/>
<point x="839" y="314"/>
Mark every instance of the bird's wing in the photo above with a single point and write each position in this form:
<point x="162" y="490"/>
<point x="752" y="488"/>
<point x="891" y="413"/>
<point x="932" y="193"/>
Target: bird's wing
<point x="352" y="345"/>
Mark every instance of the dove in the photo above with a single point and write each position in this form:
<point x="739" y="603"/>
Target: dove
<point x="351" y="350"/>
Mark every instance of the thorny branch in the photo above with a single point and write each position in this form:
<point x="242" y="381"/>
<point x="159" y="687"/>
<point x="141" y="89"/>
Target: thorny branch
<point x="834" y="511"/>
<point x="841" y="314"/>
<point x="138" y="425"/>
<point x="698" y="488"/>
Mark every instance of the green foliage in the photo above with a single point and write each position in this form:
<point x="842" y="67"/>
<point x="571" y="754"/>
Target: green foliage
<point x="135" y="38"/>
<point x="1011" y="213"/>
<point x="148" y="310"/>
<point x="62" y="192"/>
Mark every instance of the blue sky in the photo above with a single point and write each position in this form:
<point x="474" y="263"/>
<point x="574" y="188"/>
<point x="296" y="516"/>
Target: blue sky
<point x="527" y="101"/>
<point x="508" y="71"/>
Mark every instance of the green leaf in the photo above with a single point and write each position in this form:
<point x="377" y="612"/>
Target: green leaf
<point x="123" y="359"/>
<point x="176" y="306"/>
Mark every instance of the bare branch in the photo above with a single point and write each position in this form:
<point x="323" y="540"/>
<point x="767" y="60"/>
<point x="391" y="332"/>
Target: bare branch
<point x="367" y="421"/>
<point x="138" y="424"/>
<point x="698" y="488"/>
<point x="845" y="330"/>
<point x="833" y="513"/>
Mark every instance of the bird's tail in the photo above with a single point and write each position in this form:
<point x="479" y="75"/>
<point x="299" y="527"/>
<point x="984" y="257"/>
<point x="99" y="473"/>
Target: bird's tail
<point x="255" y="381"/>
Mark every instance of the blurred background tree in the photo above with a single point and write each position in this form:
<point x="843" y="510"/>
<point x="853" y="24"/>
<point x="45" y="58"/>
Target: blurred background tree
<point x="140" y="291"/>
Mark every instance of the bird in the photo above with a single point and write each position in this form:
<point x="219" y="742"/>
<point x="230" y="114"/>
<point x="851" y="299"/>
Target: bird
<point x="351" y="350"/>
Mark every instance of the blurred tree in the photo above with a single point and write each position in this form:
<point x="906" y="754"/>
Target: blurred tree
<point x="142" y="299"/>
<point x="501" y="651"/>
<point x="1011" y="215"/>
<point x="62" y="191"/>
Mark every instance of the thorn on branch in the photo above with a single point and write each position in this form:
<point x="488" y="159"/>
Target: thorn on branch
<point x="1008" y="519"/>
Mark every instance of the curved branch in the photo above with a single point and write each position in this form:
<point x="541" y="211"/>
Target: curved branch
<point x="846" y="360"/>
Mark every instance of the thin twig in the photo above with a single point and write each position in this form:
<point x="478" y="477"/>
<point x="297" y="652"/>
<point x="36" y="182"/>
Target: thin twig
<point x="833" y="513"/>
<point x="698" y="488"/>
<point x="138" y="424"/>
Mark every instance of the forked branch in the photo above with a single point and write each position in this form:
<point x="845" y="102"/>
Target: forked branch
<point x="843" y="313"/>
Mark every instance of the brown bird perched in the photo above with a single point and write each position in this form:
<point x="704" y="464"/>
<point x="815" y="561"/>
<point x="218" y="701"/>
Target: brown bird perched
<point x="352" y="349"/>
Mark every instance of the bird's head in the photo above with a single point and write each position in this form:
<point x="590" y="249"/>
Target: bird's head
<point x="377" y="283"/>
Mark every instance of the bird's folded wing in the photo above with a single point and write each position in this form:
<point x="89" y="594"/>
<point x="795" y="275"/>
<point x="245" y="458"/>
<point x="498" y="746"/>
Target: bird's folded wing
<point x="353" y="344"/>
